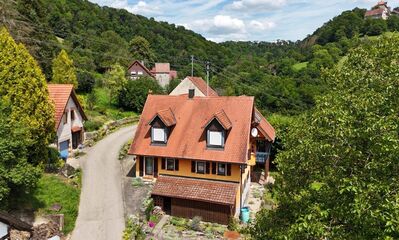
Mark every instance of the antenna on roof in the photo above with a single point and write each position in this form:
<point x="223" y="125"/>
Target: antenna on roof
<point x="207" y="77"/>
<point x="192" y="65"/>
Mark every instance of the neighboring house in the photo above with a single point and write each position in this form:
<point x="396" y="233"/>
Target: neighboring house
<point x="200" y="150"/>
<point x="137" y="69"/>
<point x="199" y="85"/>
<point x="69" y="117"/>
<point x="163" y="74"/>
<point x="379" y="11"/>
<point x="9" y="223"/>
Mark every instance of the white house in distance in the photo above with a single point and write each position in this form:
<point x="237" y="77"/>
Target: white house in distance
<point x="69" y="117"/>
<point x="197" y="84"/>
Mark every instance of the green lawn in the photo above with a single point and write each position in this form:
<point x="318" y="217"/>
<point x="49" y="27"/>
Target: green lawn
<point x="53" y="189"/>
<point x="300" y="66"/>
<point x="103" y="111"/>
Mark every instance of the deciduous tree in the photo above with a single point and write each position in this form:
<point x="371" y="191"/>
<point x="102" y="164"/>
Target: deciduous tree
<point x="340" y="168"/>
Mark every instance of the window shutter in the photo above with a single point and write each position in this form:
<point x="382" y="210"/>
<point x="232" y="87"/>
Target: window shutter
<point x="193" y="166"/>
<point x="213" y="168"/>
<point x="177" y="164"/>
<point x="163" y="163"/>
<point x="141" y="166"/>
<point x="228" y="169"/>
<point x="156" y="167"/>
<point x="207" y="167"/>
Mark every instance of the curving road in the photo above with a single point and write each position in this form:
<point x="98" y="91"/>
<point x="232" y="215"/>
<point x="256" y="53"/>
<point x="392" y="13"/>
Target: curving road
<point x="101" y="214"/>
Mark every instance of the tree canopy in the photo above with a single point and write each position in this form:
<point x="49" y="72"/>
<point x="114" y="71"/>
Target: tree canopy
<point x="340" y="167"/>
<point x="24" y="87"/>
<point x="63" y="70"/>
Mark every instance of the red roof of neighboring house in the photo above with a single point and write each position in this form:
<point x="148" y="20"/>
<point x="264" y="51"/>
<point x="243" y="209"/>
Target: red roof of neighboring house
<point x="187" y="138"/>
<point x="161" y="68"/>
<point x="202" y="86"/>
<point x="265" y="127"/>
<point x="142" y="66"/>
<point x="173" y="74"/>
<point x="196" y="189"/>
<point x="374" y="12"/>
<point x="60" y="94"/>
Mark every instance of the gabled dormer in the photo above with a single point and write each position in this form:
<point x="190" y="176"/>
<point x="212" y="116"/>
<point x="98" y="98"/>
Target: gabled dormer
<point x="217" y="129"/>
<point x="161" y="126"/>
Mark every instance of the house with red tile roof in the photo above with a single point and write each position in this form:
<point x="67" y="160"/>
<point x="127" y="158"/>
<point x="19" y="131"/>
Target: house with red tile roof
<point x="69" y="117"/>
<point x="200" y="151"/>
<point x="379" y="11"/>
<point x="197" y="84"/>
<point x="137" y="69"/>
<point x="163" y="74"/>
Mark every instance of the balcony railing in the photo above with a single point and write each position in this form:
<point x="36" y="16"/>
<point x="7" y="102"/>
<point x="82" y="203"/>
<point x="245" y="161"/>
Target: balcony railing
<point x="261" y="157"/>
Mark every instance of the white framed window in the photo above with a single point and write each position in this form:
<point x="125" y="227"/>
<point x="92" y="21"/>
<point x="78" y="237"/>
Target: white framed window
<point x="222" y="169"/>
<point x="200" y="167"/>
<point x="158" y="134"/>
<point x="139" y="73"/>
<point x="133" y="73"/>
<point x="65" y="118"/>
<point x="170" y="164"/>
<point x="215" y="138"/>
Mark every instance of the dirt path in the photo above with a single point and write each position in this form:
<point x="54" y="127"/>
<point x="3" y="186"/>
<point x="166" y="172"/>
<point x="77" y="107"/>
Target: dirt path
<point x="101" y="214"/>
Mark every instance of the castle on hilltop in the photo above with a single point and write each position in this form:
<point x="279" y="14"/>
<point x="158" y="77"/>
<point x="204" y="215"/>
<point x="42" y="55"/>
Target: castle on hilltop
<point x="381" y="11"/>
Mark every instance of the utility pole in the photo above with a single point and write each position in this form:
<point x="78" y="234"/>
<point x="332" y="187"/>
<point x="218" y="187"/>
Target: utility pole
<point x="192" y="65"/>
<point x="207" y="77"/>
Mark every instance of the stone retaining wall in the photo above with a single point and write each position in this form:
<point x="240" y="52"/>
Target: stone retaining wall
<point x="92" y="137"/>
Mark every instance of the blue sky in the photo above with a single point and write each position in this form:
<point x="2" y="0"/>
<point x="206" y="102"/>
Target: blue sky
<point x="255" y="20"/>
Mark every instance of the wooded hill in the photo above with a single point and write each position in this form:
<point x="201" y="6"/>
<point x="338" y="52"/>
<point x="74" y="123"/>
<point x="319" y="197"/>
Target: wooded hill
<point x="284" y="75"/>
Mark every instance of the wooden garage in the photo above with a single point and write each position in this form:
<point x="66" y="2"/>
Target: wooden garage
<point x="213" y="201"/>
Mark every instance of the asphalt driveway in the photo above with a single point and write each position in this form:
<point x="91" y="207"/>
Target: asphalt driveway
<point x="101" y="214"/>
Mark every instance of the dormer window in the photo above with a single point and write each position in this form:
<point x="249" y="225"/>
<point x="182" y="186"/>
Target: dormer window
<point x="158" y="135"/>
<point x="215" y="138"/>
<point x="161" y="125"/>
<point x="217" y="129"/>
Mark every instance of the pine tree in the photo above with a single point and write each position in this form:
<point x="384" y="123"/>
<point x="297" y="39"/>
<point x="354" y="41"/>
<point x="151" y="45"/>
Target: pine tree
<point x="63" y="70"/>
<point x="23" y="86"/>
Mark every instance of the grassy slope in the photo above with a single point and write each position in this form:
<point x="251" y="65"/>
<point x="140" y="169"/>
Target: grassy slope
<point x="103" y="111"/>
<point x="53" y="189"/>
<point x="299" y="66"/>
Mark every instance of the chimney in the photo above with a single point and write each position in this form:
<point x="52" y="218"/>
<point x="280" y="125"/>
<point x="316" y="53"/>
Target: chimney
<point x="191" y="93"/>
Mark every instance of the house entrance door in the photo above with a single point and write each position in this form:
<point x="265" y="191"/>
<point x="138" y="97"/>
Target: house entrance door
<point x="149" y="166"/>
<point x="167" y="205"/>
<point x="75" y="139"/>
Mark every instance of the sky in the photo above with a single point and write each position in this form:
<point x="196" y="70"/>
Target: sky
<point x="244" y="20"/>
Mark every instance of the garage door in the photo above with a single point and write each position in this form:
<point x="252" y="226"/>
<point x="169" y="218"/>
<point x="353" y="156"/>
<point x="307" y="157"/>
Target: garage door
<point x="64" y="146"/>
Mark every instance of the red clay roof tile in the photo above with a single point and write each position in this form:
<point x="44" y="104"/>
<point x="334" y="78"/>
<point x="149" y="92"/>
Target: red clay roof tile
<point x="196" y="189"/>
<point x="187" y="139"/>
<point x="202" y="86"/>
<point x="166" y="116"/>
<point x="223" y="119"/>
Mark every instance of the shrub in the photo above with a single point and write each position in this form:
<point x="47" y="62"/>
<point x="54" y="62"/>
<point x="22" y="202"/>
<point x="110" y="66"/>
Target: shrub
<point x="85" y="81"/>
<point x="133" y="230"/>
<point x="134" y="94"/>
<point x="233" y="224"/>
<point x="54" y="162"/>
<point x="92" y="125"/>
<point x="137" y="182"/>
<point x="195" y="223"/>
<point x="149" y="206"/>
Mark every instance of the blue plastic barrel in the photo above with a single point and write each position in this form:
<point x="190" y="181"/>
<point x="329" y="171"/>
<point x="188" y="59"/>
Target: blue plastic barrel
<point x="245" y="214"/>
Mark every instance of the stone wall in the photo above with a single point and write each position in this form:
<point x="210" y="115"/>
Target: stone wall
<point x="92" y="137"/>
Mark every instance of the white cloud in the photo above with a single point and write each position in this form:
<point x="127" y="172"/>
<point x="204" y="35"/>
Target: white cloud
<point x="256" y="5"/>
<point x="261" y="25"/>
<point x="220" y="24"/>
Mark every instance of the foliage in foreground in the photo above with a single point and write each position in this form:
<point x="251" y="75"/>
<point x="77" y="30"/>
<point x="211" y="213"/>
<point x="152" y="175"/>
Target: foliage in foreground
<point x="17" y="175"/>
<point x="340" y="170"/>
<point x="24" y="87"/>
